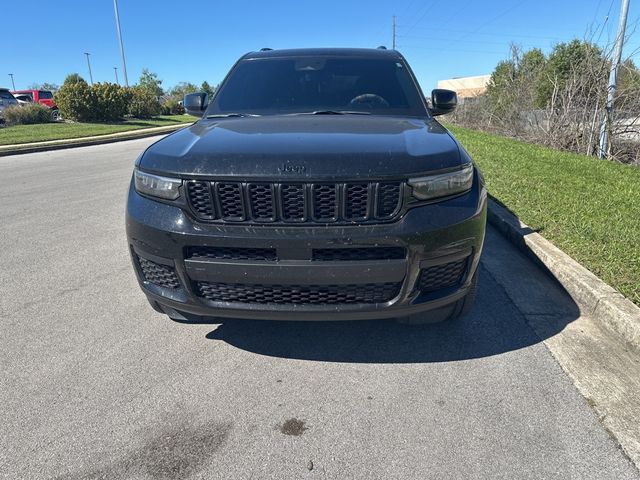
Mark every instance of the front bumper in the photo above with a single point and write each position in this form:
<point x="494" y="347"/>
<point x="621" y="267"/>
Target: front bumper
<point x="436" y="234"/>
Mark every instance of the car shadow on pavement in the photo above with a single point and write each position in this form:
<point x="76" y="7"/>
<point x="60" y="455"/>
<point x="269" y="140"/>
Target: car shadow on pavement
<point x="494" y="326"/>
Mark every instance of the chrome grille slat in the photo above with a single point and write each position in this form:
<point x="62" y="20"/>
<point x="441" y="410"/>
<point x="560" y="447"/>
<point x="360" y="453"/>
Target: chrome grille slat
<point x="268" y="202"/>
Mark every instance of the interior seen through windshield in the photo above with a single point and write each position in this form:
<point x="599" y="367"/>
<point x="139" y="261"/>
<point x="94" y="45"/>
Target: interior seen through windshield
<point x="297" y="85"/>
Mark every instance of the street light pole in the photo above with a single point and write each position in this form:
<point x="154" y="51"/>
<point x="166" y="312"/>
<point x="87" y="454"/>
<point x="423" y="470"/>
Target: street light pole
<point x="124" y="63"/>
<point x="89" y="65"/>
<point x="394" y="32"/>
<point x="115" y="69"/>
<point x="12" y="82"/>
<point x="613" y="81"/>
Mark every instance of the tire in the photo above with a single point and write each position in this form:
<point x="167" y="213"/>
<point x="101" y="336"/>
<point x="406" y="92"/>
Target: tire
<point x="448" y="313"/>
<point x="55" y="115"/>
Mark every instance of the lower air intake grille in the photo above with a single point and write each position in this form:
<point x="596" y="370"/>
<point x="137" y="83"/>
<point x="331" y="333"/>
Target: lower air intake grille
<point x="358" y="253"/>
<point x="299" y="294"/>
<point x="160" y="275"/>
<point x="233" y="253"/>
<point x="441" y="276"/>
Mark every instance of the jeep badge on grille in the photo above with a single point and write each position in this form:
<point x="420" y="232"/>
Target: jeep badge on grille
<point x="289" y="168"/>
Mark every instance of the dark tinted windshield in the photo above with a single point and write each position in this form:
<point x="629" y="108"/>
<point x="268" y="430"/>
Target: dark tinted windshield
<point x="6" y="95"/>
<point x="45" y="95"/>
<point x="308" y="84"/>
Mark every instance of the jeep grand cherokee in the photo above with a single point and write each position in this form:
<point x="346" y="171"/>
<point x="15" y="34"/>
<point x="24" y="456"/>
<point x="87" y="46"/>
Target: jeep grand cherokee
<point x="316" y="186"/>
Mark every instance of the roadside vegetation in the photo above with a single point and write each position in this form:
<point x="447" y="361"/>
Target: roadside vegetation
<point x="586" y="206"/>
<point x="559" y="99"/>
<point x="98" y="109"/>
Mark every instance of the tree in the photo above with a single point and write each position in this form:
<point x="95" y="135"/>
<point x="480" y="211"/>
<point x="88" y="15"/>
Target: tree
<point x="73" y="78"/>
<point x="564" y="62"/>
<point x="45" y="86"/>
<point x="151" y="83"/>
<point x="500" y="86"/>
<point x="181" y="89"/>
<point x="208" y="89"/>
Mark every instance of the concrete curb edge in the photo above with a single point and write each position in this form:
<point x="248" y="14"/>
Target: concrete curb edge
<point x="18" y="149"/>
<point x="592" y="295"/>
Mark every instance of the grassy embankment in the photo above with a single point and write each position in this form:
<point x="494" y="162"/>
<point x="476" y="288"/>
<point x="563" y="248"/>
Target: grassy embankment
<point x="62" y="130"/>
<point x="588" y="207"/>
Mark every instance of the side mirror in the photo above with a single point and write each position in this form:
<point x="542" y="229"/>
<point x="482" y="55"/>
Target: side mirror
<point x="443" y="101"/>
<point x="195" y="103"/>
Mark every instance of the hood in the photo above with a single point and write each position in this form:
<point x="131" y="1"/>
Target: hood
<point x="300" y="147"/>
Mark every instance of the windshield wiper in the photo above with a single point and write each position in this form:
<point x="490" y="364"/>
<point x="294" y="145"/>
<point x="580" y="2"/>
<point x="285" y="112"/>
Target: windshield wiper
<point x="337" y="112"/>
<point x="228" y="115"/>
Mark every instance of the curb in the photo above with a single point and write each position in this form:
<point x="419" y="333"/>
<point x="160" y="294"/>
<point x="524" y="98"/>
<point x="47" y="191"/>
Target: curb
<point x="595" y="298"/>
<point x="86" y="141"/>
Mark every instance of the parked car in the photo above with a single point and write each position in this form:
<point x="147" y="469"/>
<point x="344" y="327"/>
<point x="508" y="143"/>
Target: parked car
<point x="44" y="97"/>
<point x="6" y="100"/>
<point x="316" y="186"/>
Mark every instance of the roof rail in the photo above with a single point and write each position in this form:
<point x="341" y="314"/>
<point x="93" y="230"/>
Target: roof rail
<point x="266" y="49"/>
<point x="382" y="47"/>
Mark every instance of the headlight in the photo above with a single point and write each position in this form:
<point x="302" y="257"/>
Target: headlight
<point x="156" y="186"/>
<point x="442" y="185"/>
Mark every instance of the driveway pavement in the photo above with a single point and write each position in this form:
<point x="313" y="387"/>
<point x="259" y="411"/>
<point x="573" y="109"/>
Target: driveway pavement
<point x="95" y="384"/>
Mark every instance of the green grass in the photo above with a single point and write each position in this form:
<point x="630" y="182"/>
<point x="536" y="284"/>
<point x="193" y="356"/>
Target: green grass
<point x="589" y="208"/>
<point x="56" y="131"/>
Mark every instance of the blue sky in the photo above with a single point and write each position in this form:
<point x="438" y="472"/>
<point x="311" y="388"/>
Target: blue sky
<point x="200" y="40"/>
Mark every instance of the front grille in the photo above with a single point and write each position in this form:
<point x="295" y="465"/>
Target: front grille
<point x="161" y="275"/>
<point x="294" y="202"/>
<point x="358" y="253"/>
<point x="299" y="294"/>
<point x="232" y="253"/>
<point x="441" y="276"/>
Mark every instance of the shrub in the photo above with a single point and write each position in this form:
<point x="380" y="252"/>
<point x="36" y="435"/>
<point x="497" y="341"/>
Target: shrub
<point x="111" y="101"/>
<point x="143" y="103"/>
<point x="27" y="114"/>
<point x="76" y="101"/>
<point x="172" y="106"/>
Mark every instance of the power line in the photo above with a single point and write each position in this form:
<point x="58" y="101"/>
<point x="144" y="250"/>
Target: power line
<point x="456" y="40"/>
<point x="491" y="34"/>
<point x="445" y="49"/>
<point x="497" y="17"/>
<point x="407" y="8"/>
<point x="424" y="13"/>
<point x="606" y="19"/>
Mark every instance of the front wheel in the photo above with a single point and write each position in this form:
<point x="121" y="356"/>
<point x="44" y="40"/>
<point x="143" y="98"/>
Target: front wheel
<point x="450" y="312"/>
<point x="55" y="115"/>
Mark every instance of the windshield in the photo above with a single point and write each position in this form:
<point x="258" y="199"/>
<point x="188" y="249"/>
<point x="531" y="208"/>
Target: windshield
<point x="319" y="84"/>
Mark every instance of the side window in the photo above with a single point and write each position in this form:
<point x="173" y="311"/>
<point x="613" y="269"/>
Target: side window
<point x="45" y="95"/>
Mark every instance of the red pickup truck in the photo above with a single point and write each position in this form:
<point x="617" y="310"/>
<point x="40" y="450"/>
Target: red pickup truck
<point x="45" y="97"/>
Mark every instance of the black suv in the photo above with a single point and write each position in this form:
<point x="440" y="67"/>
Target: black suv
<point x="316" y="186"/>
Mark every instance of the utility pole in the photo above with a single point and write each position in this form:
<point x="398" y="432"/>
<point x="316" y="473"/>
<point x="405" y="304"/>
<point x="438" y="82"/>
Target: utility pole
<point x="613" y="81"/>
<point x="89" y="65"/>
<point x="124" y="63"/>
<point x="12" y="82"/>
<point x="115" y="69"/>
<point x="394" y="32"/>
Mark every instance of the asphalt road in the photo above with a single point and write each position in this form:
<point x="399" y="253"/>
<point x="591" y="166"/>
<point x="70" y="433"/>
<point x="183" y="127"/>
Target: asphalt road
<point x="95" y="384"/>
